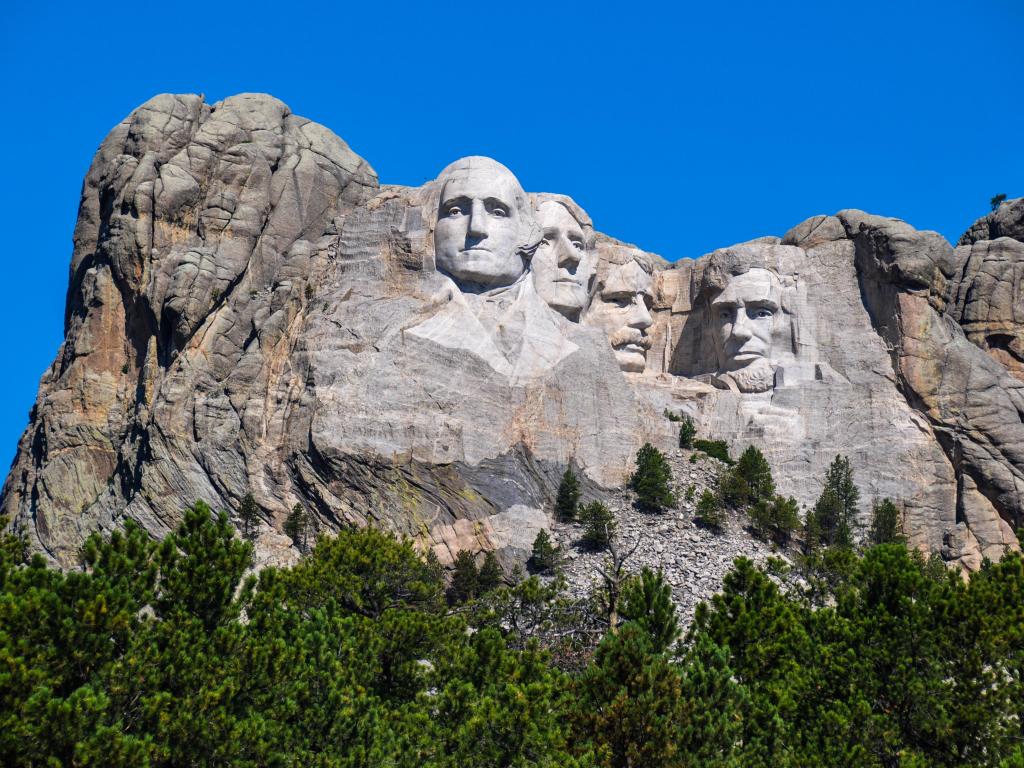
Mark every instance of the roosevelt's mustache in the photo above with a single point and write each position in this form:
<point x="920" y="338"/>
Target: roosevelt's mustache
<point x="625" y="336"/>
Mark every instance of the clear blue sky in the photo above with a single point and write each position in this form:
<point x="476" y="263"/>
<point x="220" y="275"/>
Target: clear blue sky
<point x="680" y="127"/>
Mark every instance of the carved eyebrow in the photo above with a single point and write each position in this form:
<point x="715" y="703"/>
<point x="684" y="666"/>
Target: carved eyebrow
<point x="457" y="200"/>
<point x="492" y="201"/>
<point x="727" y="304"/>
<point x="763" y="304"/>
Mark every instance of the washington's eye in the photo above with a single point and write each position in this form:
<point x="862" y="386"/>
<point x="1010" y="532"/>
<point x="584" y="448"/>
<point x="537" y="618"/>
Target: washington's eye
<point x="454" y="211"/>
<point x="763" y="313"/>
<point x="499" y="211"/>
<point x="577" y="245"/>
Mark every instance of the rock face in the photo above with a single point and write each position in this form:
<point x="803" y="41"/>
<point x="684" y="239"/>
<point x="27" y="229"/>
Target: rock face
<point x="249" y="311"/>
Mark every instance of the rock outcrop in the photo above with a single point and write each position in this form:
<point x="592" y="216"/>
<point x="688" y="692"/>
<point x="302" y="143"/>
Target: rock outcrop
<point x="249" y="311"/>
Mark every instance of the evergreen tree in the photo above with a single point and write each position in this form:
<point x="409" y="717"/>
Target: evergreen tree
<point x="490" y="576"/>
<point x="568" y="498"/>
<point x="465" y="578"/>
<point x="545" y="557"/>
<point x="753" y="470"/>
<point x="628" y="704"/>
<point x="886" y="526"/>
<point x="687" y="432"/>
<point x="598" y="525"/>
<point x="652" y="480"/>
<point x="775" y="518"/>
<point x="716" y="449"/>
<point x="997" y="200"/>
<point x="835" y="511"/>
<point x="709" y="510"/>
<point x="647" y="601"/>
<point x="249" y="517"/>
<point x="297" y="527"/>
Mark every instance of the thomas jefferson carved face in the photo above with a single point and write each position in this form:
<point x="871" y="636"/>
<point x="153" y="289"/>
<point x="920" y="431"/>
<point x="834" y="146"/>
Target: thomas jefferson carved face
<point x="562" y="265"/>
<point x="483" y="223"/>
<point x="746" y="317"/>
<point x="622" y="309"/>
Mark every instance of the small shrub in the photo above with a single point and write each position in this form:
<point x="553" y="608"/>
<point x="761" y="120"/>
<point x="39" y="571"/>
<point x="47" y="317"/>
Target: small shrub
<point x="709" y="510"/>
<point x="886" y="523"/>
<point x="687" y="432"/>
<point x="652" y="480"/>
<point x="672" y="416"/>
<point x="691" y="489"/>
<point x="490" y="575"/>
<point x="775" y="519"/>
<point x="465" y="578"/>
<point x="568" y="499"/>
<point x="545" y="556"/>
<point x="716" y="449"/>
<point x="598" y="525"/>
<point x="310" y="293"/>
<point x="694" y="457"/>
<point x="997" y="200"/>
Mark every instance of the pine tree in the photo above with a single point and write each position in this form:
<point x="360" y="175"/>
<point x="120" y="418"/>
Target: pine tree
<point x="490" y="576"/>
<point x="297" y="527"/>
<point x="835" y="511"/>
<point x="752" y="468"/>
<point x="709" y="510"/>
<point x="248" y="516"/>
<point x="465" y="578"/>
<point x="775" y="519"/>
<point x="652" y="480"/>
<point x="545" y="557"/>
<point x="598" y="525"/>
<point x="568" y="498"/>
<point x="886" y="526"/>
<point x="627" y="705"/>
<point x="647" y="601"/>
<point x="687" y="431"/>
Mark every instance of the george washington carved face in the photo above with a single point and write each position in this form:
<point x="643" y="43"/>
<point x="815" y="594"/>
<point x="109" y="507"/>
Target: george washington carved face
<point x="484" y="225"/>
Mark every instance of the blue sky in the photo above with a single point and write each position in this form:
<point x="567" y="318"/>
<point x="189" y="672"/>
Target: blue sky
<point x="680" y="127"/>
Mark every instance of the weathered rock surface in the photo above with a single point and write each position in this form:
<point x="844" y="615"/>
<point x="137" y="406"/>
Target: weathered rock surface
<point x="249" y="311"/>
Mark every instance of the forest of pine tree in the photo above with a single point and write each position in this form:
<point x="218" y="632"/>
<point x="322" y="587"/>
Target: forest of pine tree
<point x="171" y="653"/>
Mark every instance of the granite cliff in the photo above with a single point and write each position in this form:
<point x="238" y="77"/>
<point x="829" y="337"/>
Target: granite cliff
<point x="250" y="311"/>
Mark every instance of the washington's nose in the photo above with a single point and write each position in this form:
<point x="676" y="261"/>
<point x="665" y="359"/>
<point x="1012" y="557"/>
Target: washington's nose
<point x="639" y="315"/>
<point x="568" y="256"/>
<point x="477" y="220"/>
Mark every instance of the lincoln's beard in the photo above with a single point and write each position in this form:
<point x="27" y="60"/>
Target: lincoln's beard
<point x="759" y="376"/>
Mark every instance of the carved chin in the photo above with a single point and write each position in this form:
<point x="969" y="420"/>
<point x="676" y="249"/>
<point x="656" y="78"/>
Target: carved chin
<point x="482" y="267"/>
<point x="566" y="298"/>
<point x="631" y="361"/>
<point x="759" y="376"/>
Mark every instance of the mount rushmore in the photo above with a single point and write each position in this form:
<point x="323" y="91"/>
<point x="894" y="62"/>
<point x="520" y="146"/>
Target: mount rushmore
<point x="250" y="311"/>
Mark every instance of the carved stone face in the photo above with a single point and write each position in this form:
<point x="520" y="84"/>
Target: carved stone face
<point x="562" y="266"/>
<point x="746" y="317"/>
<point x="622" y="309"/>
<point x="480" y="224"/>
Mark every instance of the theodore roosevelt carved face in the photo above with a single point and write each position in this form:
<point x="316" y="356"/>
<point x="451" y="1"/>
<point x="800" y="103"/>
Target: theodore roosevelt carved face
<point x="622" y="309"/>
<point x="746" y="316"/>
<point x="563" y="264"/>
<point x="484" y="225"/>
